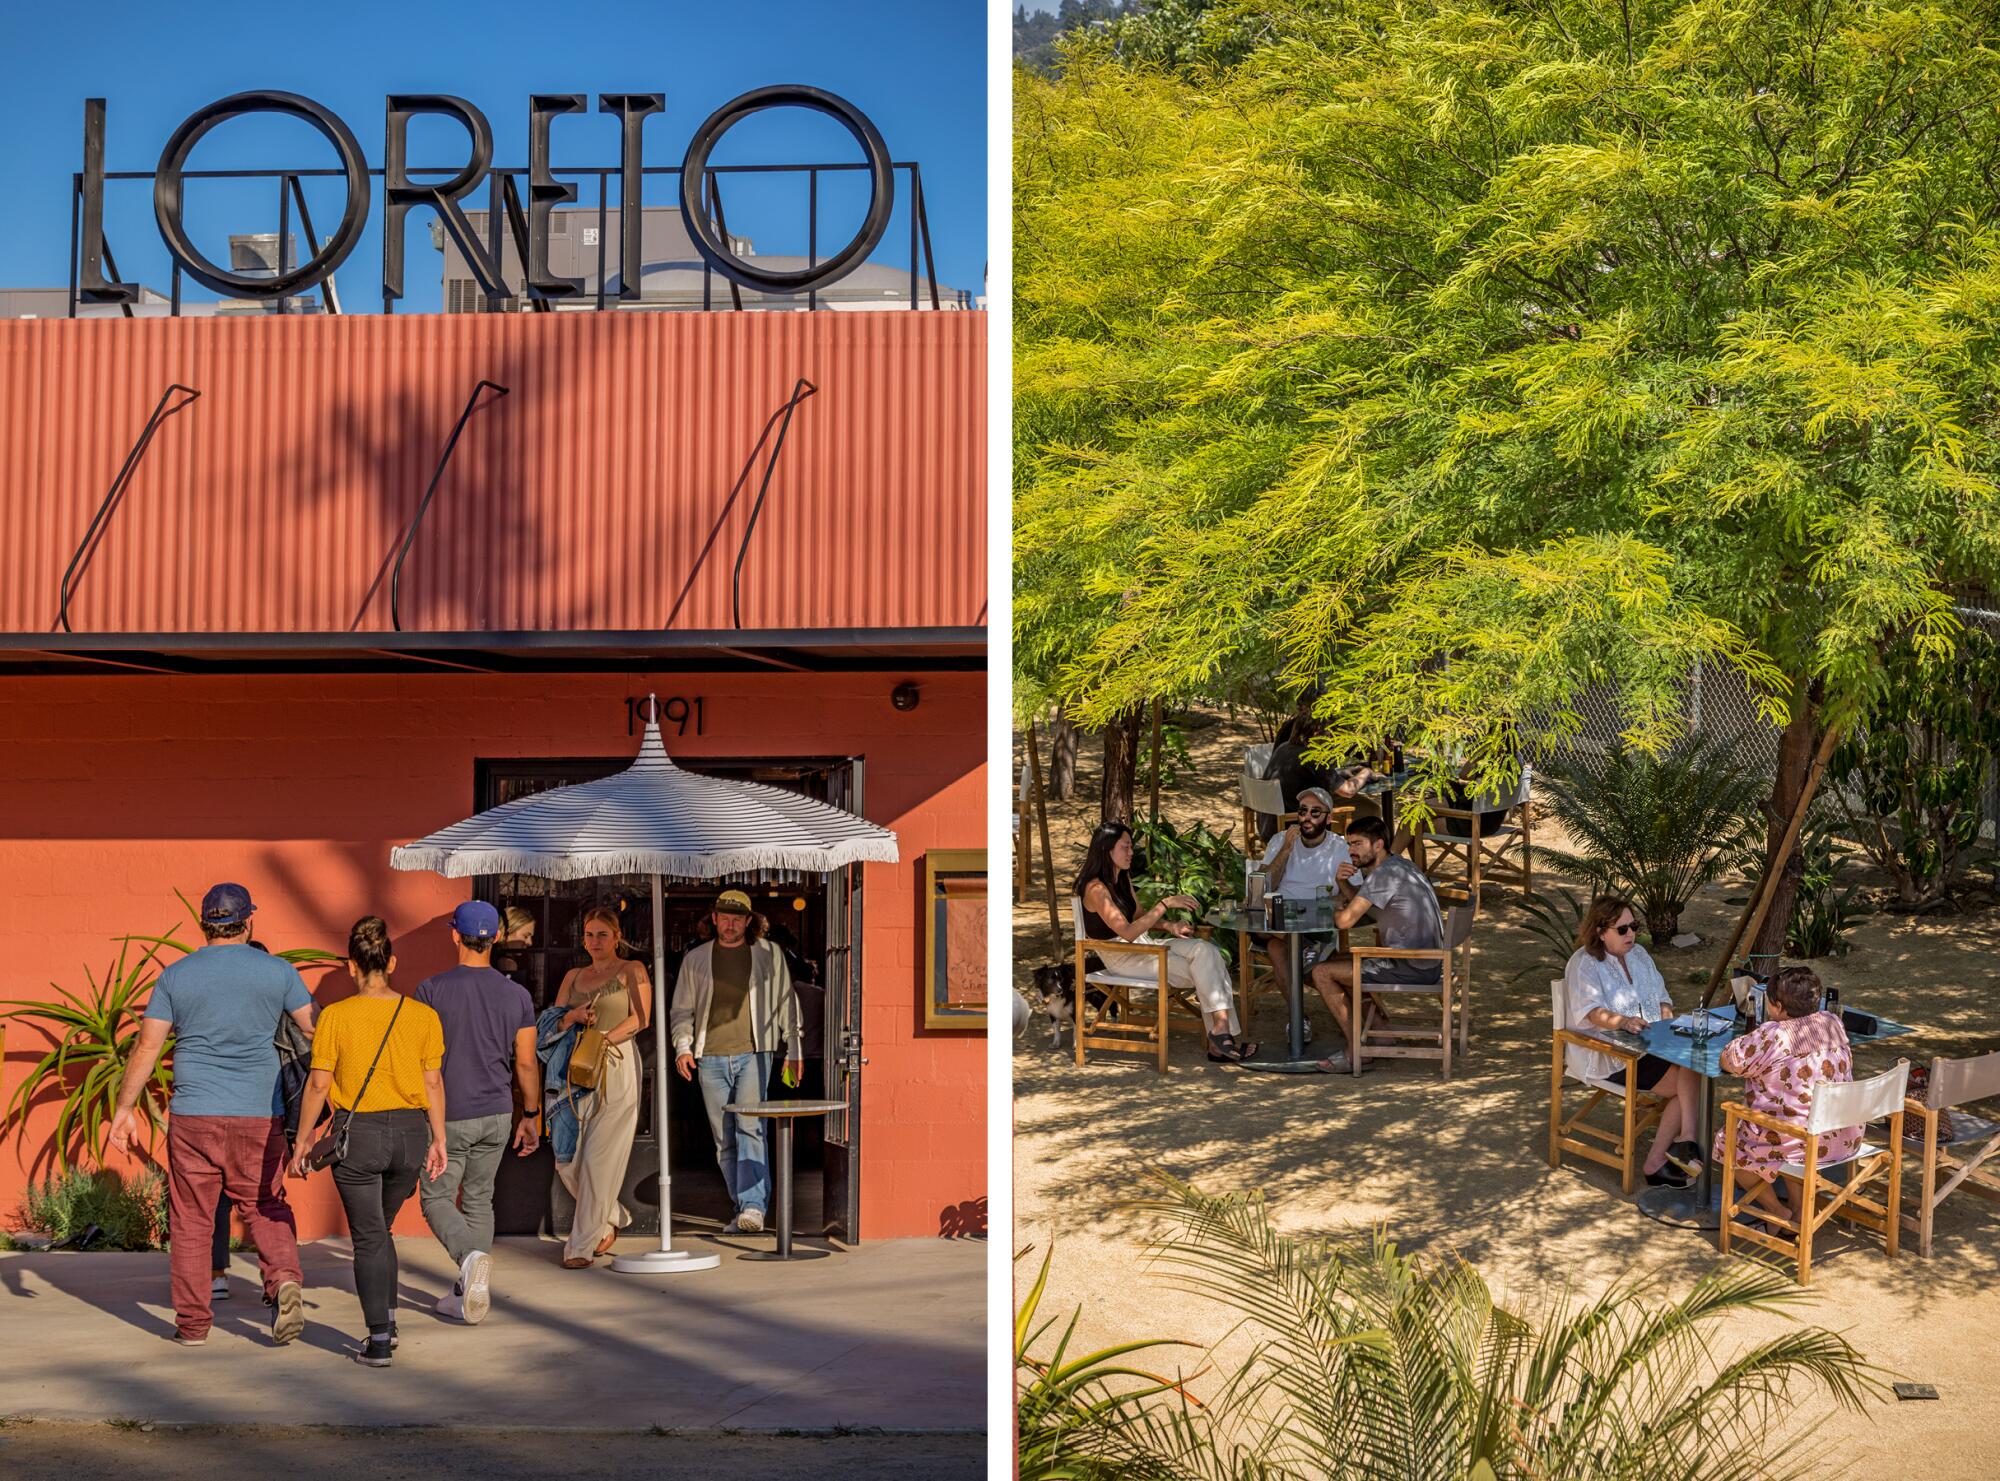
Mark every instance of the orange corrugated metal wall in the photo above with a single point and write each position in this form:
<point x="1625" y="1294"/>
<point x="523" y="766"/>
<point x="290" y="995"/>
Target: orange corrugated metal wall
<point x="581" y="500"/>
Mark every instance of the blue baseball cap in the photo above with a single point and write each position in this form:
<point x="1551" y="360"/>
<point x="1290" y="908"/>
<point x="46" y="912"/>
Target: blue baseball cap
<point x="226" y="905"/>
<point x="475" y="920"/>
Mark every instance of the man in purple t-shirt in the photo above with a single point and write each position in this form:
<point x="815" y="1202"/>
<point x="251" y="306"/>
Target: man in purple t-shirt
<point x="489" y="1047"/>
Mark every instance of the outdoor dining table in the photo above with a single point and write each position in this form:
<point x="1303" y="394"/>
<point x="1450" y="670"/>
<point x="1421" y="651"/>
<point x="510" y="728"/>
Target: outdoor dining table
<point x="783" y="1116"/>
<point x="1301" y="919"/>
<point x="1699" y="1206"/>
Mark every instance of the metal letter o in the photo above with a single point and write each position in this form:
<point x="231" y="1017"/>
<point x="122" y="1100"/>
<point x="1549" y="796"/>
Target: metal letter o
<point x="881" y="189"/>
<point x="167" y="202"/>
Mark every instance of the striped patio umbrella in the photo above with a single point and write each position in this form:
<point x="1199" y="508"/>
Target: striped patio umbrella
<point x="653" y="818"/>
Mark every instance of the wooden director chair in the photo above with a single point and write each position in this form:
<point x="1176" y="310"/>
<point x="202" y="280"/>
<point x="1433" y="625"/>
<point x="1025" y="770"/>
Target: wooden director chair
<point x="1503" y="854"/>
<point x="1453" y="990"/>
<point x="1136" y="1031"/>
<point x="1953" y="1083"/>
<point x="1855" y="1103"/>
<point x="1578" y="1136"/>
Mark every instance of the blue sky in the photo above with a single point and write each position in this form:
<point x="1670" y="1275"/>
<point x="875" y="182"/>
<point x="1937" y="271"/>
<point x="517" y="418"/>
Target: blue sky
<point x="917" y="67"/>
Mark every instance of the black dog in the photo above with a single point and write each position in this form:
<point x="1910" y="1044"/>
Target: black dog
<point x="1056" y="983"/>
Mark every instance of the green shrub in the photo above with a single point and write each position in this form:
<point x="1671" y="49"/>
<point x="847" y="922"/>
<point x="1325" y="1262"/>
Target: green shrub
<point x="1823" y="908"/>
<point x="126" y="1215"/>
<point x="1911" y="779"/>
<point x="1199" y="862"/>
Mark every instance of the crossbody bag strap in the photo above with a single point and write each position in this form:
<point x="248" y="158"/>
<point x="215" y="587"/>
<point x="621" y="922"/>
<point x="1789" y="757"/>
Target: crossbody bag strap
<point x="362" y="1094"/>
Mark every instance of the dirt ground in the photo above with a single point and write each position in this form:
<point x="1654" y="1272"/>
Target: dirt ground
<point x="87" y="1452"/>
<point x="1464" y="1165"/>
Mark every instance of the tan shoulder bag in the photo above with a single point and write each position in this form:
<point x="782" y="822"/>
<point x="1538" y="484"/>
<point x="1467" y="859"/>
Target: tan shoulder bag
<point x="586" y="1061"/>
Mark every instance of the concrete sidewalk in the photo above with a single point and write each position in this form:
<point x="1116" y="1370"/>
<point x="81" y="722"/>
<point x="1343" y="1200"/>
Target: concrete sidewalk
<point x="888" y="1335"/>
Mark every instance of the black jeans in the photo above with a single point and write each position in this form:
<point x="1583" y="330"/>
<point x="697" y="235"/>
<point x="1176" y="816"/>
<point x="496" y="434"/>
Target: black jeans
<point x="385" y="1157"/>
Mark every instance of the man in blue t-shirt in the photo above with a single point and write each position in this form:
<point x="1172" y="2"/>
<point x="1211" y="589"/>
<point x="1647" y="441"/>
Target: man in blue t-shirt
<point x="489" y="1049"/>
<point x="225" y="1132"/>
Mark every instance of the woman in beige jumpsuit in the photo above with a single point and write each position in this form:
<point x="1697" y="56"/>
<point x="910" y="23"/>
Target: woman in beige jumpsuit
<point x="615" y="996"/>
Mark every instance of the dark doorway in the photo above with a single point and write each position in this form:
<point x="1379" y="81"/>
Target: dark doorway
<point x="542" y="929"/>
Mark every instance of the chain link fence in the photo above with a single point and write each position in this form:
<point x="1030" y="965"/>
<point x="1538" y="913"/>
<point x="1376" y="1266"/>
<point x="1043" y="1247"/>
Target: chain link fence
<point x="1718" y="705"/>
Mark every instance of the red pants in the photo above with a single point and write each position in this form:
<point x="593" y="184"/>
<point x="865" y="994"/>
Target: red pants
<point x="243" y="1156"/>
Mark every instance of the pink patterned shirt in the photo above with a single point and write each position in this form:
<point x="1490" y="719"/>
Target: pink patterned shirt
<point x="1780" y="1063"/>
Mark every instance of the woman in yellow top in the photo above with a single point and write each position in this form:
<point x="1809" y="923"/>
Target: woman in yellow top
<point x="397" y="1126"/>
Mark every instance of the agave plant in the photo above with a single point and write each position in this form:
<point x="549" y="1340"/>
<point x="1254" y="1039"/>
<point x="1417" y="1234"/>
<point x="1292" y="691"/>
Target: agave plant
<point x="1373" y="1363"/>
<point x="93" y="1033"/>
<point x="1655" y="829"/>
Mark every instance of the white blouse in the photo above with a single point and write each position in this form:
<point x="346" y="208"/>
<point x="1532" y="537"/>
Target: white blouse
<point x="1590" y="983"/>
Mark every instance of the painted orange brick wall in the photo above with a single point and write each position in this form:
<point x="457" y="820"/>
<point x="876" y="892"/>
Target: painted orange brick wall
<point x="114" y="792"/>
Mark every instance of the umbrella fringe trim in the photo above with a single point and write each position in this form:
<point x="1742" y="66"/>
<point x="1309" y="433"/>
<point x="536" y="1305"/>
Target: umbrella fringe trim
<point x="461" y="863"/>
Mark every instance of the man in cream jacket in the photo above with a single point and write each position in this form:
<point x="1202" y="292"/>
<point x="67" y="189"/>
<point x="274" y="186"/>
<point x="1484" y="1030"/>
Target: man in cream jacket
<point x="733" y="1003"/>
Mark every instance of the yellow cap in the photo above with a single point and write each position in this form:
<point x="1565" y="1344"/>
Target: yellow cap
<point x="732" y="902"/>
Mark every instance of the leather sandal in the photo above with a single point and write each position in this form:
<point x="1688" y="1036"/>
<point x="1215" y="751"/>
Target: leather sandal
<point x="604" y="1245"/>
<point x="1223" y="1049"/>
<point x="571" y="1262"/>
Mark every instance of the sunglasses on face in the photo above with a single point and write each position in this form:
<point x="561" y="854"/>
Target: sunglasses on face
<point x="1625" y="930"/>
<point x="1311" y="812"/>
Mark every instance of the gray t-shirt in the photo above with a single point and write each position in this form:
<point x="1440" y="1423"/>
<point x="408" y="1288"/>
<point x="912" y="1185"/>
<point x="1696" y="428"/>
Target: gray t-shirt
<point x="1406" y="907"/>
<point x="224" y="1002"/>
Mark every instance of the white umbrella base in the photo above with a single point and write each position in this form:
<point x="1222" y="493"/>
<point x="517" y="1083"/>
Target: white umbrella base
<point x="664" y="1262"/>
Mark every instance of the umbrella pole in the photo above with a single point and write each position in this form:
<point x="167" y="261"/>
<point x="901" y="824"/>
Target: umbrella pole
<point x="666" y="1260"/>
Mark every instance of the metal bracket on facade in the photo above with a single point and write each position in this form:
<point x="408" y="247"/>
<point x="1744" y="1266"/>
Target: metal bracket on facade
<point x="800" y="391"/>
<point x="410" y="536"/>
<point x="161" y="411"/>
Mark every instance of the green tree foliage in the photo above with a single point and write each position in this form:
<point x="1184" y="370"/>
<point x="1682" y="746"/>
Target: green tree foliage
<point x="1468" y="356"/>
<point x="1373" y="1363"/>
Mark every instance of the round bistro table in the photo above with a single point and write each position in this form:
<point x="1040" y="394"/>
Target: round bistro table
<point x="784" y="1115"/>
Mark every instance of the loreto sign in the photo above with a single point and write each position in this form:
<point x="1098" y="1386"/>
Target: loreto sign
<point x="530" y="228"/>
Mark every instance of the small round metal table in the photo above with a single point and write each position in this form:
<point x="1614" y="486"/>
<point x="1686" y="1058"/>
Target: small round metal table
<point x="1302" y="919"/>
<point x="783" y="1115"/>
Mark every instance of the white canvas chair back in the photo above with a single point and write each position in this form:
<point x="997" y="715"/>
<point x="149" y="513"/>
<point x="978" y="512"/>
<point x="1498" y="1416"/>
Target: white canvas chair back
<point x="1076" y="917"/>
<point x="1954" y="1082"/>
<point x="1856" y="1103"/>
<point x="1458" y="928"/>
<point x="1559" y="994"/>
<point x="1259" y="793"/>
<point x="1255" y="759"/>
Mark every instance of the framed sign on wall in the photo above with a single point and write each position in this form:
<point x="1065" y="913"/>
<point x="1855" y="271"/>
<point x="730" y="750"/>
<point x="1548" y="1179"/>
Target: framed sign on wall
<point x="954" y="944"/>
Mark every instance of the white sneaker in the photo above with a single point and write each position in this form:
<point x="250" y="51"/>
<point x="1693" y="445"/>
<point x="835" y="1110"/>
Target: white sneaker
<point x="750" y="1221"/>
<point x="473" y="1273"/>
<point x="218" y="1288"/>
<point x="451" y="1306"/>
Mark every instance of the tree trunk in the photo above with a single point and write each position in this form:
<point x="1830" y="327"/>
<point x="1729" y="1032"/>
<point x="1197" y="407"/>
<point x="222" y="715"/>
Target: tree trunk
<point x="1121" y="767"/>
<point x="1062" y="757"/>
<point x="1795" y="755"/>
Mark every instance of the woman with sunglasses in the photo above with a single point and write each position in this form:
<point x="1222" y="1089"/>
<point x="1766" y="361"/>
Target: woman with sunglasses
<point x="1613" y="986"/>
<point x="1111" y="914"/>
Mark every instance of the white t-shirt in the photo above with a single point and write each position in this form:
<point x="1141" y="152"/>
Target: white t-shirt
<point x="1306" y="869"/>
<point x="1591" y="983"/>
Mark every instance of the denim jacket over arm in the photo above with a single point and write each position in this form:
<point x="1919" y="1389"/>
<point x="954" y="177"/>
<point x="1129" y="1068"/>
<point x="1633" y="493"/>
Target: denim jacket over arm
<point x="553" y="1046"/>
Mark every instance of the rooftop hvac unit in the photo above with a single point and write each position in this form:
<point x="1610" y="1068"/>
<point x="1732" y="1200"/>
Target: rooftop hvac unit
<point x="256" y="253"/>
